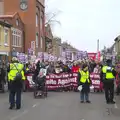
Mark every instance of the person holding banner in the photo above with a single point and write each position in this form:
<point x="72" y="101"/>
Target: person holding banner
<point x="85" y="82"/>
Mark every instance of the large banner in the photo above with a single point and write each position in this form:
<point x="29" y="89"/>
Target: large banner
<point x="64" y="80"/>
<point x="54" y="81"/>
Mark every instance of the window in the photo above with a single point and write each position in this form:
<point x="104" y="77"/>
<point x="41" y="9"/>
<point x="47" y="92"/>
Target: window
<point x="41" y="42"/>
<point x="36" y="20"/>
<point x="41" y="23"/>
<point x="16" y="38"/>
<point x="37" y="40"/>
<point x="17" y="22"/>
<point x="6" y="36"/>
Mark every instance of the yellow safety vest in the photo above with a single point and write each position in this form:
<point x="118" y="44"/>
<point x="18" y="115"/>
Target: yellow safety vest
<point x="108" y="75"/>
<point x="14" y="68"/>
<point x="84" y="76"/>
<point x="27" y="69"/>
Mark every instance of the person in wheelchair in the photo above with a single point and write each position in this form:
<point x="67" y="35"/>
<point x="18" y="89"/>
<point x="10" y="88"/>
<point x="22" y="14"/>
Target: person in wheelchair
<point x="40" y="83"/>
<point x="41" y="79"/>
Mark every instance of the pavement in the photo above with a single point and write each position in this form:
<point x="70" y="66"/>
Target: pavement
<point x="60" y="106"/>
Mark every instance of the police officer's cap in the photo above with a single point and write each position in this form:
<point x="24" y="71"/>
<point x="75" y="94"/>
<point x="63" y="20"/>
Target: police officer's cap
<point x="14" y="59"/>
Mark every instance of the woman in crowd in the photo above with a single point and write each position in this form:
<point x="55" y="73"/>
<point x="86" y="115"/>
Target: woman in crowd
<point x="75" y="67"/>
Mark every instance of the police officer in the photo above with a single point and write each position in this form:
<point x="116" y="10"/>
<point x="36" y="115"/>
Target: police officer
<point x="15" y="78"/>
<point x="84" y="80"/>
<point x="108" y="74"/>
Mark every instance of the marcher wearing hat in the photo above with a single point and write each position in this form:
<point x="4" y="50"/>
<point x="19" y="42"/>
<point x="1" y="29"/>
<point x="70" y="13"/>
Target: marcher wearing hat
<point x="108" y="74"/>
<point x="15" y="78"/>
<point x="84" y="80"/>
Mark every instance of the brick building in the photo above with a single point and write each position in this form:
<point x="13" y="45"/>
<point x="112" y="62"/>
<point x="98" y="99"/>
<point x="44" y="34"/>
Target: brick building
<point x="17" y="40"/>
<point x="31" y="13"/>
<point x="5" y="30"/>
<point x="16" y="34"/>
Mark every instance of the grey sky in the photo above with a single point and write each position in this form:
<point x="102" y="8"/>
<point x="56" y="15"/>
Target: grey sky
<point x="85" y="21"/>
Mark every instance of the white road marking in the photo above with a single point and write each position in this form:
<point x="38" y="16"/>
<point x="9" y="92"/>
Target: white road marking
<point x="115" y="106"/>
<point x="35" y="105"/>
<point x="20" y="115"/>
<point x="24" y="112"/>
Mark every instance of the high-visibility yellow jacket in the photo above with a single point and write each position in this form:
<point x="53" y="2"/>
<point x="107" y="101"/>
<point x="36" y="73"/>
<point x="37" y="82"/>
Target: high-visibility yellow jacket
<point x="108" y="72"/>
<point x="84" y="76"/>
<point x="27" y="69"/>
<point x="14" y="68"/>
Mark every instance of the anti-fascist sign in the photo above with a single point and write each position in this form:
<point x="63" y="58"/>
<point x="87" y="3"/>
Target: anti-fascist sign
<point x="63" y="80"/>
<point x="54" y="81"/>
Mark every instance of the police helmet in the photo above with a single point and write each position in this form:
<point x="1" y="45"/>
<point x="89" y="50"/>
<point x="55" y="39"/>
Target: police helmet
<point x="14" y="59"/>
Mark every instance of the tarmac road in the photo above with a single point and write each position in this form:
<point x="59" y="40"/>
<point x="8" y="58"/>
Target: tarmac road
<point x="60" y="106"/>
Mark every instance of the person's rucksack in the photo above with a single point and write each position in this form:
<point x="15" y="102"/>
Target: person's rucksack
<point x="18" y="76"/>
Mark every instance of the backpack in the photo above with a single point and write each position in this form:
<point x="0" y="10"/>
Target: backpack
<point x="18" y="76"/>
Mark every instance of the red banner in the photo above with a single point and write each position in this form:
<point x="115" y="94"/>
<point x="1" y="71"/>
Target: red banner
<point x="92" y="56"/>
<point x="54" y="81"/>
<point x="63" y="80"/>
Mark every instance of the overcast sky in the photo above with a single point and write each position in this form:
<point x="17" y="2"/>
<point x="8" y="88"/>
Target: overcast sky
<point x="85" y="21"/>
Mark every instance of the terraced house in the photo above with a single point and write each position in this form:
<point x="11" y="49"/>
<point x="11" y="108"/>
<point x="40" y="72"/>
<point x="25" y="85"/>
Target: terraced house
<point x="16" y="34"/>
<point x="5" y="30"/>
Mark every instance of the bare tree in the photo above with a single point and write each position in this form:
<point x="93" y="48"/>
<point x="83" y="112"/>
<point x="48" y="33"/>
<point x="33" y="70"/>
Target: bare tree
<point x="50" y="16"/>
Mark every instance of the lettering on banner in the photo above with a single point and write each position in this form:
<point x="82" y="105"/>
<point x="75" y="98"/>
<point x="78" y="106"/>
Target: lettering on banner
<point x="63" y="82"/>
<point x="54" y="81"/>
<point x="51" y="81"/>
<point x="74" y="80"/>
<point x="95" y="76"/>
<point x="75" y="74"/>
<point x="58" y="76"/>
<point x="96" y="82"/>
<point x="65" y="75"/>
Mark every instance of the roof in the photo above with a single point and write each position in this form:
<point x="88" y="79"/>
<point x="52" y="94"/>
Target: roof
<point x="8" y="16"/>
<point x="5" y="17"/>
<point x="117" y="38"/>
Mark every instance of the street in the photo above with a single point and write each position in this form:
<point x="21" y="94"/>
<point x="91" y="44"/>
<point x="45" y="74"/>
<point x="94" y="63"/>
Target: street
<point x="60" y="106"/>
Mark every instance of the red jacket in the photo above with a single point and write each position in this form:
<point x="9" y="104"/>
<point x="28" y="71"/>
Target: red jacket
<point x="75" y="68"/>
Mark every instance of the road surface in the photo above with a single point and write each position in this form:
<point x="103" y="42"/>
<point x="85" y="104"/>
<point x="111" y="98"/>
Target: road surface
<point x="60" y="106"/>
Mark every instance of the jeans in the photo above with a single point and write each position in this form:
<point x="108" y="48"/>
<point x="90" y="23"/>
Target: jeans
<point x="84" y="96"/>
<point x="12" y="95"/>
